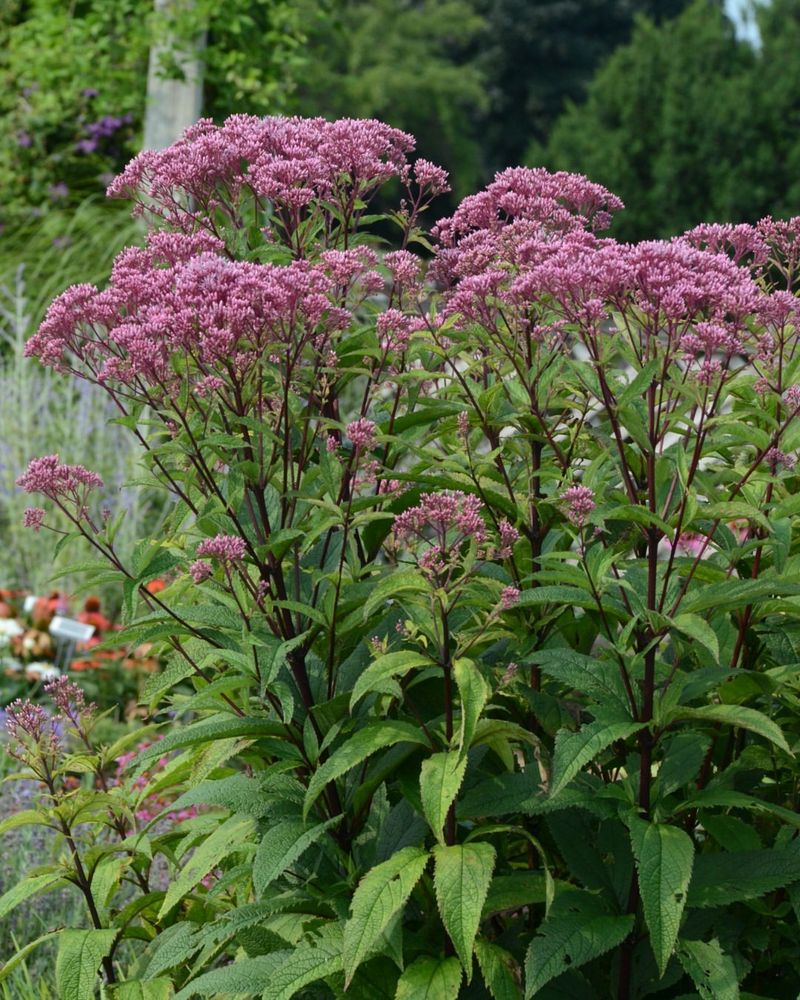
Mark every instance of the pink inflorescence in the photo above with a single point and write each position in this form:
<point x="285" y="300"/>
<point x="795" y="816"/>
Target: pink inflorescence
<point x="33" y="517"/>
<point x="289" y="161"/>
<point x="440" y="513"/>
<point x="362" y="433"/>
<point x="226" y="548"/>
<point x="57" y="481"/>
<point x="31" y="728"/>
<point x="200" y="570"/>
<point x="509" y="598"/>
<point x="578" y="503"/>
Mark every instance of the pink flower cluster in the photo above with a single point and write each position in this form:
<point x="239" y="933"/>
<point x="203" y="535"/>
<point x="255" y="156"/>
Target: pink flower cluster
<point x="362" y="433"/>
<point x="443" y="521"/>
<point x="287" y="161"/>
<point x="64" y="484"/>
<point x="206" y="307"/>
<point x="226" y="548"/>
<point x="578" y="503"/>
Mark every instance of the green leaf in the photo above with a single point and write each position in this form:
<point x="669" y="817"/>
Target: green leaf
<point x="722" y="878"/>
<point x="141" y="989"/>
<point x="228" y="837"/>
<point x="79" y="956"/>
<point x="407" y="581"/>
<point x="281" y="846"/>
<point x="497" y="968"/>
<point x="308" y="962"/>
<point x="735" y="715"/>
<point x="474" y="693"/>
<point x="712" y="971"/>
<point x="380" y="674"/>
<point x="439" y="781"/>
<point x="25" y="817"/>
<point x="430" y="979"/>
<point x="512" y="892"/>
<point x="698" y="629"/>
<point x="221" y="727"/>
<point x="462" y="875"/>
<point x="367" y="741"/>
<point x="24" y="890"/>
<point x="733" y="594"/>
<point x="21" y="954"/>
<point x="573" y="750"/>
<point x="576" y="931"/>
<point x="381" y="893"/>
<point x="664" y="856"/>
<point x="248" y="975"/>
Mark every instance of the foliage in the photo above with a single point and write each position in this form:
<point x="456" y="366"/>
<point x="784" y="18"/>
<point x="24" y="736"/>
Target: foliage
<point x="74" y="79"/>
<point x="689" y="124"/>
<point x="482" y="598"/>
<point x="537" y="56"/>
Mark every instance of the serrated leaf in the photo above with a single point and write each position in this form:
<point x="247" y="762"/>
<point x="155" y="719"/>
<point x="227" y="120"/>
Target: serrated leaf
<point x="573" y="750"/>
<point x="664" y="856"/>
<point x="380" y="894"/>
<point x="461" y="878"/>
<point x="712" y="971"/>
<point x="249" y="976"/>
<point x="722" y="878"/>
<point x="79" y="956"/>
<point x="22" y="953"/>
<point x="281" y="846"/>
<point x="439" y="781"/>
<point x="385" y="669"/>
<point x="576" y="931"/>
<point x="367" y="741"/>
<point x="497" y="968"/>
<point x="308" y="962"/>
<point x="473" y="692"/>
<point x="511" y="892"/>
<point x="24" y="889"/>
<point x="387" y="589"/>
<point x="698" y="629"/>
<point x="735" y="715"/>
<point x="430" y="979"/>
<point x="141" y="989"/>
<point x="230" y="836"/>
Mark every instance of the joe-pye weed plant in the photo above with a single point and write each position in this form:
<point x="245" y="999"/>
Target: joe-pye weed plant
<point x="483" y="588"/>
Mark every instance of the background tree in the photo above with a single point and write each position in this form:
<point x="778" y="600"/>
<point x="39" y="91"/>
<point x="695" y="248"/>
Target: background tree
<point x="537" y="56"/>
<point x="690" y="124"/>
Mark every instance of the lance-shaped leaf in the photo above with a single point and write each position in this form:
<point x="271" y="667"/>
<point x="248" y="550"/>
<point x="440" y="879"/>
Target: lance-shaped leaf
<point x="712" y="971"/>
<point x="381" y="673"/>
<point x="79" y="956"/>
<point x="439" y="782"/>
<point x="281" y="846"/>
<point x="573" y="750"/>
<point x="664" y="856"/>
<point x="230" y="836"/>
<point x="735" y="715"/>
<point x="430" y="979"/>
<point x="25" y="889"/>
<point x="462" y="875"/>
<point x="380" y="895"/>
<point x="363" y="744"/>
<point x="473" y="692"/>
<point x="577" y="930"/>
<point x="497" y="968"/>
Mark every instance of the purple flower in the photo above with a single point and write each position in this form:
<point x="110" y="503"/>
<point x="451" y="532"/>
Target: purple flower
<point x="33" y="518"/>
<point x="200" y="570"/>
<point x="58" y="191"/>
<point x="48" y="476"/>
<point x="90" y="92"/>
<point x="24" y="139"/>
<point x="226" y="548"/>
<point x="86" y="145"/>
<point x="579" y="503"/>
<point x="362" y="433"/>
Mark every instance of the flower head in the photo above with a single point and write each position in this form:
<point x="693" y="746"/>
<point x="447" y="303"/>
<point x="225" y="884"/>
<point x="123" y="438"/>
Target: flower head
<point x="578" y="503"/>
<point x="33" y="517"/>
<point x="362" y="433"/>
<point x="226" y="548"/>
